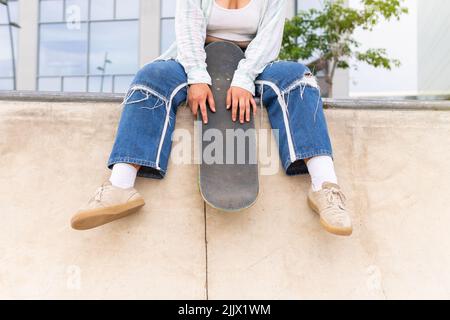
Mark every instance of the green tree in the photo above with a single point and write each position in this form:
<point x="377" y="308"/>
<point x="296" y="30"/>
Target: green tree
<point x="328" y="34"/>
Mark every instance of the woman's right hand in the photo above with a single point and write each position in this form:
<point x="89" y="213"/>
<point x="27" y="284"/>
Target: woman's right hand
<point x="198" y="95"/>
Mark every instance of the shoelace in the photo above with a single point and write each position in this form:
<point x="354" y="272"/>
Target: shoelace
<point x="99" y="193"/>
<point x="334" y="194"/>
<point x="336" y="200"/>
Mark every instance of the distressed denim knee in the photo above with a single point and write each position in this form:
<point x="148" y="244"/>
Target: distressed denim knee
<point x="148" y="118"/>
<point x="292" y="97"/>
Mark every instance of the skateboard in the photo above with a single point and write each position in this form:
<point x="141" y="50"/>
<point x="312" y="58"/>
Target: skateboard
<point x="228" y="170"/>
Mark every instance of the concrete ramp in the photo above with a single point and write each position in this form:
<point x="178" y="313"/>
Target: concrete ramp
<point x="392" y="164"/>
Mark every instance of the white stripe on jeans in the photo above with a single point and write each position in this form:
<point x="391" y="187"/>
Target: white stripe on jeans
<point x="166" y="122"/>
<point x="284" y="109"/>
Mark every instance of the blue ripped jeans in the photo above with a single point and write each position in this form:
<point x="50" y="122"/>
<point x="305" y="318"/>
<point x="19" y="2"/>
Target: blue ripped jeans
<point x="287" y="89"/>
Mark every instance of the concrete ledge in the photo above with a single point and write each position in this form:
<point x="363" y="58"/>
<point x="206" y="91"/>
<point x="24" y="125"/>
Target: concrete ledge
<point x="328" y="103"/>
<point x="392" y="164"/>
<point x="39" y="96"/>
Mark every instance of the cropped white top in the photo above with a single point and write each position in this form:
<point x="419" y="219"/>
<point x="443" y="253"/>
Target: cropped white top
<point x="239" y="25"/>
<point x="191" y="21"/>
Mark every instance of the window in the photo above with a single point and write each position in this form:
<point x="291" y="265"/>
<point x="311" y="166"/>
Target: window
<point x="88" y="45"/>
<point x="308" y="4"/>
<point x="6" y="61"/>
<point x="167" y="23"/>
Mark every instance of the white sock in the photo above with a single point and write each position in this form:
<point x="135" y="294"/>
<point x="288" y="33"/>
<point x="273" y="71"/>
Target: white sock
<point x="123" y="175"/>
<point x="321" y="170"/>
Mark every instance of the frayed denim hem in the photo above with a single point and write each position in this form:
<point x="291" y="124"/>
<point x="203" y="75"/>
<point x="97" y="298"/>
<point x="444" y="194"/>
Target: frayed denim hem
<point x="148" y="168"/>
<point x="298" y="167"/>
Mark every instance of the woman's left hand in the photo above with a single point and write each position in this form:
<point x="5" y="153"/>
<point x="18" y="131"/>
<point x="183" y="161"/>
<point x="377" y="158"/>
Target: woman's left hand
<point x="240" y="100"/>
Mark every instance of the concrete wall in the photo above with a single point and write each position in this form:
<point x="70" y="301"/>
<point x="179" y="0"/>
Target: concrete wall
<point x="392" y="164"/>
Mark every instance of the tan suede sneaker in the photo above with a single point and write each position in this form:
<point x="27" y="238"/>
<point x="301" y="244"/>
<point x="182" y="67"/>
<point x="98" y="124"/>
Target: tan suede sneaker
<point x="329" y="203"/>
<point x="108" y="204"/>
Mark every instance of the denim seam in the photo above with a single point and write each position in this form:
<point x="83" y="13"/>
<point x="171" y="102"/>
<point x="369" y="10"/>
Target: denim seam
<point x="137" y="161"/>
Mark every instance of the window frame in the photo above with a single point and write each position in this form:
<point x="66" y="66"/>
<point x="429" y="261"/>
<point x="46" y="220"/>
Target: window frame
<point x="163" y="18"/>
<point x="16" y="47"/>
<point x="88" y="21"/>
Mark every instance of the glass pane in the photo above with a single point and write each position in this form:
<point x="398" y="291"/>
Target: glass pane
<point x="6" y="84"/>
<point x="3" y="15"/>
<point x="100" y="84"/>
<point x="127" y="9"/>
<point x="116" y="52"/>
<point x="49" y="84"/>
<point x="13" y="11"/>
<point x="62" y="51"/>
<point x="74" y="84"/>
<point x="76" y="10"/>
<point x="167" y="33"/>
<point x="309" y="4"/>
<point x="122" y="83"/>
<point x="102" y="9"/>
<point x="168" y="8"/>
<point x="51" y="10"/>
<point x="5" y="53"/>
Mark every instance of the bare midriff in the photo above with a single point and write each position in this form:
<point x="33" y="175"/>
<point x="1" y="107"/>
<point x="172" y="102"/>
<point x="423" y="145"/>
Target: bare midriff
<point x="242" y="44"/>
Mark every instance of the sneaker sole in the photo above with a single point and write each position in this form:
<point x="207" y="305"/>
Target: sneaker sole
<point x="331" y="229"/>
<point x="94" y="218"/>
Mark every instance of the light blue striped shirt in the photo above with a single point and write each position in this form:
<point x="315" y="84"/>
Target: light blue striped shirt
<point x="191" y="21"/>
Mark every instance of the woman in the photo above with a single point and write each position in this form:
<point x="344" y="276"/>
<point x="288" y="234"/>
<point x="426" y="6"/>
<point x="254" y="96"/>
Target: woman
<point x="287" y="89"/>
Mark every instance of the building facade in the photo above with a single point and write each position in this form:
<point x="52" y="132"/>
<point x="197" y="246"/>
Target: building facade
<point x="421" y="42"/>
<point x="83" y="45"/>
<point x="77" y="45"/>
<point x="97" y="46"/>
<point x="433" y="25"/>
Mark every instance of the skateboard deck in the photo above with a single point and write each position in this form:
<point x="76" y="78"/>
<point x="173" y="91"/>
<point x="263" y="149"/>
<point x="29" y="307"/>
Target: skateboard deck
<point x="228" y="172"/>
